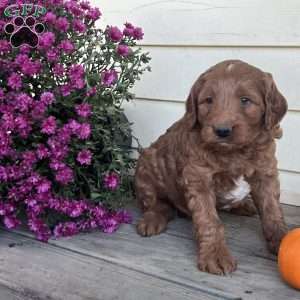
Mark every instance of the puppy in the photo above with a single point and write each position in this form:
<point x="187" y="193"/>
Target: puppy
<point x="220" y="154"/>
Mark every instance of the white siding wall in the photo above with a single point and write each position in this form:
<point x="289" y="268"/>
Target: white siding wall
<point x="185" y="37"/>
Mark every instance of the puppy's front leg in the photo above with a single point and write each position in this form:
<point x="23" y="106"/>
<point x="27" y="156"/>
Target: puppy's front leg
<point x="213" y="254"/>
<point x="265" y="190"/>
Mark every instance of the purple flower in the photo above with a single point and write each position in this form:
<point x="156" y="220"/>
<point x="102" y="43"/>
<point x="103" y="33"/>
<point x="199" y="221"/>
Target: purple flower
<point x="76" y="71"/>
<point x="49" y="125"/>
<point x="85" y="5"/>
<point x="42" y="151"/>
<point x="123" y="50"/>
<point x="21" y="122"/>
<point x="25" y="49"/>
<point x="110" y="225"/>
<point x="93" y="14"/>
<point x="57" y="165"/>
<point x="76" y="74"/>
<point x="109" y="77"/>
<point x="84" y="131"/>
<point x="91" y="92"/>
<point x="66" y="46"/>
<point x="30" y="68"/>
<point x="65" y="229"/>
<point x="15" y="81"/>
<point x="43" y="186"/>
<point x="52" y="55"/>
<point x="11" y="222"/>
<point x="62" y="24"/>
<point x="38" y="110"/>
<point x="21" y="59"/>
<point x="84" y="157"/>
<point x="41" y="230"/>
<point x="46" y="40"/>
<point x="83" y="110"/>
<point x="111" y="181"/>
<point x="29" y="157"/>
<point x="49" y="17"/>
<point x="128" y="30"/>
<point x="47" y="98"/>
<point x="23" y="102"/>
<point x="114" y="33"/>
<point x="2" y="94"/>
<point x="59" y="70"/>
<point x="3" y="175"/>
<point x="138" y="33"/>
<point x="74" y="126"/>
<point x="79" y="26"/>
<point x="5" y="47"/>
<point x="66" y="90"/>
<point x="64" y="176"/>
<point x="123" y="216"/>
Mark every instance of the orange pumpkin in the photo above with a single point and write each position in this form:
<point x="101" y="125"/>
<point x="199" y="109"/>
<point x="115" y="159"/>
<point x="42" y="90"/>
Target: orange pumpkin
<point x="289" y="258"/>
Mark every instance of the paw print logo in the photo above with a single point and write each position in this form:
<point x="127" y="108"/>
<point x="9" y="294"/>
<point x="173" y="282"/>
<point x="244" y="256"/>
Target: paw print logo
<point x="24" y="31"/>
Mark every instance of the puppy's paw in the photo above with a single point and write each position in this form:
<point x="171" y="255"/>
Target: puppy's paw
<point x="244" y="208"/>
<point x="151" y="224"/>
<point x="218" y="262"/>
<point x="274" y="236"/>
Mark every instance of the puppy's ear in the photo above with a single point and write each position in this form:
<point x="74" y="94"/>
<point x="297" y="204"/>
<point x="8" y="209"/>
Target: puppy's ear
<point x="192" y="108"/>
<point x="192" y="103"/>
<point x="276" y="104"/>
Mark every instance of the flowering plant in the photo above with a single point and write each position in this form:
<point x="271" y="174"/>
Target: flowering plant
<point x="64" y="151"/>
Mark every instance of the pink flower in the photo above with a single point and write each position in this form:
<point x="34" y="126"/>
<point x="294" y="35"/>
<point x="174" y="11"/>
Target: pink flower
<point x="49" y="125"/>
<point x="66" y="90"/>
<point x="64" y="176"/>
<point x="46" y="40"/>
<point x="138" y="33"/>
<point x="47" y="98"/>
<point x="42" y="151"/>
<point x="111" y="181"/>
<point x="84" y="131"/>
<point x="110" y="225"/>
<point x="129" y="30"/>
<point x="15" y="81"/>
<point x="84" y="157"/>
<point x="2" y="94"/>
<point x="79" y="26"/>
<point x="74" y="126"/>
<point x="109" y="77"/>
<point x="83" y="110"/>
<point x="115" y="34"/>
<point x="123" y="50"/>
<point x="65" y="229"/>
<point x="11" y="222"/>
<point x="66" y="46"/>
<point x="52" y="55"/>
<point x="62" y="24"/>
<point x="25" y="49"/>
<point x="58" y="70"/>
<point x="31" y="68"/>
<point x="93" y="14"/>
<point x="57" y="165"/>
<point x="43" y="186"/>
<point x="5" y="47"/>
<point x="50" y="17"/>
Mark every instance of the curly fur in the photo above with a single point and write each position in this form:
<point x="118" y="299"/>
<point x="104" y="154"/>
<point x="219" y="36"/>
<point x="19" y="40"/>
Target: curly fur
<point x="192" y="169"/>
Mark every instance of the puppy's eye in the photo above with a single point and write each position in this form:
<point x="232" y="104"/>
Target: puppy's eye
<point x="245" y="101"/>
<point x="209" y="100"/>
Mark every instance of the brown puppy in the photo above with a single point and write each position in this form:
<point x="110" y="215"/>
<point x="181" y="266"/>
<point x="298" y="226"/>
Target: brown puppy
<point x="221" y="154"/>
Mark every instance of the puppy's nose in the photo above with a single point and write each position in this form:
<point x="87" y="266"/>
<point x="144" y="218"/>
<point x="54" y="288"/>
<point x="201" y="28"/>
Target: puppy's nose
<point x="223" y="132"/>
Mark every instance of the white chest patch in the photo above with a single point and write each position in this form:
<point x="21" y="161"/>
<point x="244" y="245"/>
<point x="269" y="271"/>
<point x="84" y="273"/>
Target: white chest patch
<point x="241" y="190"/>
